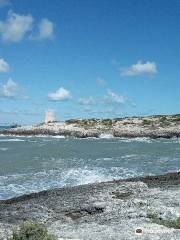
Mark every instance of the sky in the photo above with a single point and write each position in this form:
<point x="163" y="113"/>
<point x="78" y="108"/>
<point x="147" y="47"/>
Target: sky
<point x="88" y="59"/>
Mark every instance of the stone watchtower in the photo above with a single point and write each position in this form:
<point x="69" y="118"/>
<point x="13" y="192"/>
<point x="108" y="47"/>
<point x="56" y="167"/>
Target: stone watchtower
<point x="49" y="117"/>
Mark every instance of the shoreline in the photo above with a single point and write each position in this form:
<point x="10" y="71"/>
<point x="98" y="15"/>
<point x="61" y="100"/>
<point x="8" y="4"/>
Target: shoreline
<point x="166" y="180"/>
<point x="128" y="135"/>
<point x="166" y="126"/>
<point x="106" y="210"/>
<point x="106" y="136"/>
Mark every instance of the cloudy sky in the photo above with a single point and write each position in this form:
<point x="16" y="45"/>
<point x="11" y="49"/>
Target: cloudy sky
<point x="88" y="58"/>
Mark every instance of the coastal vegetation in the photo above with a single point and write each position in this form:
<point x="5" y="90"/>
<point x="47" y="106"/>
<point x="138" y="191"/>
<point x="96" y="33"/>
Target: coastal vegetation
<point x="169" y="223"/>
<point x="160" y="126"/>
<point x="157" y="120"/>
<point x="32" y="231"/>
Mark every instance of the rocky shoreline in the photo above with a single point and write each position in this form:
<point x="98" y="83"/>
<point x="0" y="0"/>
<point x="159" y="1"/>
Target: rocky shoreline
<point x="109" y="210"/>
<point x="166" y="126"/>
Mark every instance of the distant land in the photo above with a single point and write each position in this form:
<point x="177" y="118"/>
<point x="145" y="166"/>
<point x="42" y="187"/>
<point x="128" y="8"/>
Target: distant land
<point x="165" y="126"/>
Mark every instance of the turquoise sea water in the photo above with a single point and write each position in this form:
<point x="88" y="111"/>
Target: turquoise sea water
<point x="4" y="127"/>
<point x="37" y="163"/>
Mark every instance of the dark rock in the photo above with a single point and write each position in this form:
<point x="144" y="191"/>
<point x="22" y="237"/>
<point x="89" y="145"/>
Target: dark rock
<point x="121" y="195"/>
<point x="83" y="212"/>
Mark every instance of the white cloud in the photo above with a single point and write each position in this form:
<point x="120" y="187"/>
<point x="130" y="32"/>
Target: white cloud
<point x="4" y="3"/>
<point x="101" y="81"/>
<point x="112" y="97"/>
<point x="14" y="28"/>
<point x="87" y="101"/>
<point x="4" y="66"/>
<point x="9" y="90"/>
<point x="148" y="68"/>
<point x="17" y="26"/>
<point x="46" y="29"/>
<point x="60" y="95"/>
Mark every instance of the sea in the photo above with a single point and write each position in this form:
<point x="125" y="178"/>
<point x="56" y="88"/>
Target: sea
<point x="32" y="164"/>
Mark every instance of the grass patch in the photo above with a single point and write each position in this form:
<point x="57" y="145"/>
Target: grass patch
<point x="167" y="223"/>
<point x="146" y="122"/>
<point x="176" y="115"/>
<point x="163" y="119"/>
<point x="176" y="119"/>
<point x="107" y="122"/>
<point x="82" y="122"/>
<point x="32" y="231"/>
<point x="73" y="121"/>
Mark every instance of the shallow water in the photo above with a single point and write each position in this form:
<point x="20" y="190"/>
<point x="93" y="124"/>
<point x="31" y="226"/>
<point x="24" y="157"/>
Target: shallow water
<point x="37" y="163"/>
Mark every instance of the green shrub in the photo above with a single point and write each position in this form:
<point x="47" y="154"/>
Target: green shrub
<point x="146" y="122"/>
<point x="163" y="119"/>
<point x="167" y="223"/>
<point x="107" y="122"/>
<point x="32" y="231"/>
<point x="175" y="119"/>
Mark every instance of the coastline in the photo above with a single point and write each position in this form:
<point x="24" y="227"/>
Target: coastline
<point x="100" y="210"/>
<point x="133" y="127"/>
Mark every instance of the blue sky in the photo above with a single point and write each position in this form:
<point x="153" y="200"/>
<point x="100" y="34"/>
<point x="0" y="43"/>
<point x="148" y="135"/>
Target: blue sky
<point x="88" y="58"/>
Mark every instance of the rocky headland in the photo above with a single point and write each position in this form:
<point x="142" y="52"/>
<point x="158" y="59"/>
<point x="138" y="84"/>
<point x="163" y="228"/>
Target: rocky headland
<point x="165" y="126"/>
<point x="145" y="208"/>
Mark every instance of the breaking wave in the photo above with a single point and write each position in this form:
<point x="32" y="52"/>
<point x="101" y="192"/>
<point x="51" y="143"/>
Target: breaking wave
<point x="12" y="140"/>
<point x="138" y="139"/>
<point x="106" y="136"/>
<point x="18" y="184"/>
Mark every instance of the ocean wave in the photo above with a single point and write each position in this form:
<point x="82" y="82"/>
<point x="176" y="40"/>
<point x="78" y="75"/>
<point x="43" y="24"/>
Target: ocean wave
<point x="59" y="136"/>
<point x="138" y="139"/>
<point x="3" y="149"/>
<point x="106" y="136"/>
<point x="176" y="140"/>
<point x="129" y="156"/>
<point x="12" y="140"/>
<point x="18" y="184"/>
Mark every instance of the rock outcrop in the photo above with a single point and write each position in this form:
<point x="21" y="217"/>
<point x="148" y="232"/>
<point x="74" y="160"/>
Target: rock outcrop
<point x="153" y="127"/>
<point x="138" y="208"/>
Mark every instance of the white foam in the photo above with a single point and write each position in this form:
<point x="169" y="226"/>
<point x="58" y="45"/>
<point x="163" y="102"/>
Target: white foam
<point x="59" y="136"/>
<point x="129" y="156"/>
<point x="138" y="139"/>
<point x="18" y="184"/>
<point x="12" y="140"/>
<point x="175" y="140"/>
<point x="106" y="136"/>
<point x="3" y="149"/>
